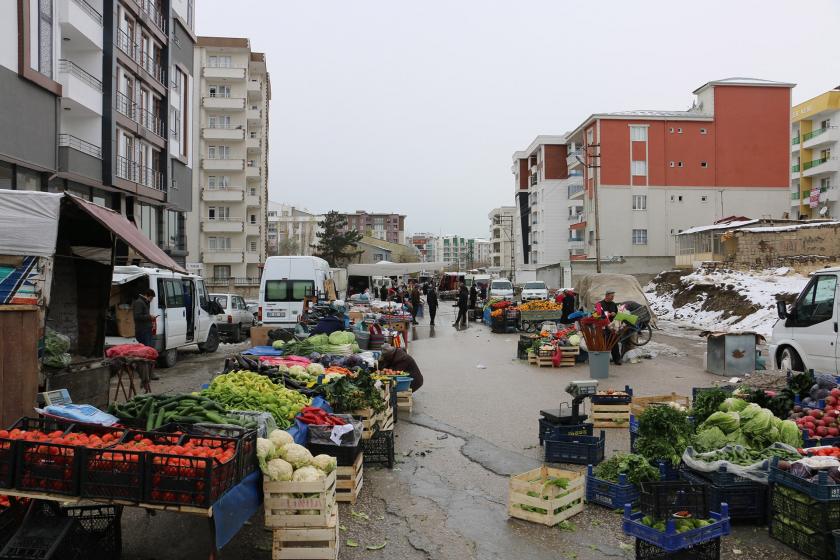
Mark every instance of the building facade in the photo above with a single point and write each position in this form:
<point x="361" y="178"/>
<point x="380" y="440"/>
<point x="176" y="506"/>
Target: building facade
<point x="229" y="225"/>
<point x="481" y="253"/>
<point x="387" y="227"/>
<point x="425" y="243"/>
<point x="501" y="240"/>
<point x="815" y="133"/>
<point x="100" y="90"/>
<point x="459" y="252"/>
<point x="291" y="230"/>
<point x="653" y="174"/>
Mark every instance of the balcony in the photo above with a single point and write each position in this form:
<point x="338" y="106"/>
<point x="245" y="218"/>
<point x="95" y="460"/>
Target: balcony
<point x="252" y="170"/>
<point x="795" y="142"/>
<point x="157" y="17"/>
<point x="254" y="89"/>
<point x="222" y="194"/>
<point x="224" y="72"/>
<point x="254" y="117"/>
<point x="252" y="200"/>
<point x="253" y="144"/>
<point x="533" y="180"/>
<point x="223" y="103"/>
<point x="222" y="256"/>
<point x="136" y="173"/>
<point x="222" y="225"/>
<point x="252" y="257"/>
<point x="820" y="137"/>
<point x="151" y="122"/>
<point x="576" y="244"/>
<point x="820" y="165"/>
<point x="575" y="218"/>
<point x="222" y="131"/>
<point x="153" y="68"/>
<point x="70" y="141"/>
<point x="218" y="164"/>
<point x="80" y="86"/>
<point x="572" y="158"/>
<point x="126" y="44"/>
<point x="252" y="229"/>
<point x="794" y="168"/>
<point x="79" y="157"/>
<point x="84" y="19"/>
<point x="828" y="194"/>
<point x="575" y="190"/>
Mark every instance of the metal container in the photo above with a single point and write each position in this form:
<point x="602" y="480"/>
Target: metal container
<point x="730" y="354"/>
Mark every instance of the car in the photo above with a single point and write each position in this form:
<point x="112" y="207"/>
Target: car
<point x="501" y="288"/>
<point x="534" y="290"/>
<point x="236" y="320"/>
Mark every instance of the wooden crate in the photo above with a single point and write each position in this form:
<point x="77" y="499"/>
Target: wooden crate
<point x="281" y="506"/>
<point x="610" y="415"/>
<point x="349" y="480"/>
<point x="532" y="358"/>
<point x="639" y="404"/>
<point x="570" y="498"/>
<point x="405" y="400"/>
<point x="308" y="543"/>
<point x="569" y="356"/>
<point x="386" y="419"/>
<point x="544" y="362"/>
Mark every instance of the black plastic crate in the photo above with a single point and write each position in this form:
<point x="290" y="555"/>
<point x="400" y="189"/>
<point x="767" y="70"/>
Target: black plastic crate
<point x="550" y="430"/>
<point x="614" y="399"/>
<point x="11" y="519"/>
<point x="663" y="499"/>
<point x="48" y="467"/>
<point x="97" y="534"/>
<point x="379" y="449"/>
<point x="722" y="477"/>
<point x="8" y="447"/>
<point x="819" y="546"/>
<point x="578" y="450"/>
<point x="709" y="550"/>
<point x="112" y="474"/>
<point x="821" y="516"/>
<point x="247" y="437"/>
<point x="44" y="535"/>
<point x="345" y="455"/>
<point x="747" y="502"/>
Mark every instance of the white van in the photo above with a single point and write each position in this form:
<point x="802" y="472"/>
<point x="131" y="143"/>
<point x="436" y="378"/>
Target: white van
<point x="805" y="336"/>
<point x="285" y="283"/>
<point x="180" y="304"/>
<point x="501" y="288"/>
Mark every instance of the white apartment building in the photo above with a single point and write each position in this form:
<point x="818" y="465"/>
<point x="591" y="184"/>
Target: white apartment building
<point x="228" y="226"/>
<point x="291" y="230"/>
<point x="815" y="171"/>
<point x="453" y="249"/>
<point x="502" y="221"/>
<point x="481" y="252"/>
<point x="426" y="245"/>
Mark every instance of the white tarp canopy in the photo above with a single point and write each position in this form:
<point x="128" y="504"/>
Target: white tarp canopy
<point x="387" y="268"/>
<point x="28" y="222"/>
<point x="593" y="287"/>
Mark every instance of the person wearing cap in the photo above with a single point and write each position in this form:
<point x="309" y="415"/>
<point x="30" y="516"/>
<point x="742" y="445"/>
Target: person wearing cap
<point x="398" y="359"/>
<point x="610" y="308"/>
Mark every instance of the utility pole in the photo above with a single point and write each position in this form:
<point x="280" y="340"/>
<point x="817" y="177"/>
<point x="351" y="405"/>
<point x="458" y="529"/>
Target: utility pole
<point x="593" y="163"/>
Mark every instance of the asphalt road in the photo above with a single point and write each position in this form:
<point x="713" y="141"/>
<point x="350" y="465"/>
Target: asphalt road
<point x="473" y="425"/>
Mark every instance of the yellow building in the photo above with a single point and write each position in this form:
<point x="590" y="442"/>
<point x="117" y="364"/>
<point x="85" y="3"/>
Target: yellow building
<point x="815" y="157"/>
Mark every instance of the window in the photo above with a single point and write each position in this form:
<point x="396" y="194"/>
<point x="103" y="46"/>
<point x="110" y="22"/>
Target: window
<point x="288" y="290"/>
<point x="29" y="180"/>
<point x="704" y="198"/>
<point x="679" y="131"/>
<point x="45" y="37"/>
<point x="252" y="191"/>
<point x="221" y="271"/>
<point x="639" y="237"/>
<point x="638" y="133"/>
<point x="639" y="202"/>
<point x="219" y="91"/>
<point x="218" y="152"/>
<point x="671" y="164"/>
<point x="147" y="215"/>
<point x="825" y="124"/>
<point x="590" y="136"/>
<point x="703" y="131"/>
<point x="816" y="304"/>
<point x="638" y="168"/>
<point x="6" y="175"/>
<point x="221" y="300"/>
<point x="218" y="62"/>
<point x="252" y="246"/>
<point x="679" y="198"/>
<point x="679" y="164"/>
<point x="704" y="164"/>
<point x="253" y="219"/>
<point x="174" y="293"/>
<point x="218" y="243"/>
<point x="218" y="212"/>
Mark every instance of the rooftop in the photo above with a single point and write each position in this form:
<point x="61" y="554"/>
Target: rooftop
<point x="741" y="81"/>
<point x="224" y="42"/>
<point x="542" y="139"/>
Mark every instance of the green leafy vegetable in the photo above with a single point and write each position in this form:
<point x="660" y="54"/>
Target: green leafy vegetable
<point x="706" y="403"/>
<point x="728" y="422"/>
<point x="376" y="546"/>
<point x="733" y="404"/>
<point x="351" y="543"/>
<point x="634" y="466"/>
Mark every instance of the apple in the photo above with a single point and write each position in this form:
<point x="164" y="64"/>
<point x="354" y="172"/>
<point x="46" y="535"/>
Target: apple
<point x="816" y="413"/>
<point x="835" y="392"/>
<point x="822" y="431"/>
<point x="833" y="431"/>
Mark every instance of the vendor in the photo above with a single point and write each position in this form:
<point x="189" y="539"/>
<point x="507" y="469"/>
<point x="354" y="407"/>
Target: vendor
<point x="399" y="360"/>
<point x="566" y="299"/>
<point x="609" y="307"/>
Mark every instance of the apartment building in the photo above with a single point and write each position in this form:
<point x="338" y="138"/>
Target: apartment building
<point x="656" y="173"/>
<point x="387" y="227"/>
<point x="545" y="203"/>
<point x="98" y="105"/>
<point x="501" y="240"/>
<point x="457" y="251"/>
<point x="815" y="132"/>
<point x="425" y="244"/>
<point x="291" y="230"/>
<point x="481" y="253"/>
<point x="229" y="225"/>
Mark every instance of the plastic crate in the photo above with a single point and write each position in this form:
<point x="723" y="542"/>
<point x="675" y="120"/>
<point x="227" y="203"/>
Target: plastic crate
<point x="709" y="550"/>
<point x="11" y="519"/>
<point x="345" y="455"/>
<point x="815" y="441"/>
<point x="48" y="467"/>
<point x="821" y="516"/>
<point x="667" y="471"/>
<point x="181" y="480"/>
<point x="610" y="494"/>
<point x="379" y="449"/>
<point x="819" y="546"/>
<point x="747" y="502"/>
<point x="670" y="540"/>
<point x="722" y="477"/>
<point x="614" y="399"/>
<point x="106" y="473"/>
<point x="247" y="438"/>
<point x="634" y="432"/>
<point x="578" y="450"/>
<point x="664" y="498"/>
<point x="8" y="447"/>
<point x="41" y="538"/>
<point x="97" y="534"/>
<point x="549" y="430"/>
<point x="820" y="490"/>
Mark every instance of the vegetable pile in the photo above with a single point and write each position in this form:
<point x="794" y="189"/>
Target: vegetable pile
<point x="319" y="417"/>
<point x="820" y="423"/>
<point x="681" y="524"/>
<point x="335" y="343"/>
<point x="346" y="395"/>
<point x="540" y="305"/>
<point x="739" y="455"/>
<point x="664" y="433"/>
<point x="246" y="390"/>
<point x="635" y="467"/>
<point x="743" y="423"/>
<point x="156" y="410"/>
<point x="548" y="483"/>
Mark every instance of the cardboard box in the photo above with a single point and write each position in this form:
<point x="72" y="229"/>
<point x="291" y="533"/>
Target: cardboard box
<point x="125" y="321"/>
<point x="259" y="336"/>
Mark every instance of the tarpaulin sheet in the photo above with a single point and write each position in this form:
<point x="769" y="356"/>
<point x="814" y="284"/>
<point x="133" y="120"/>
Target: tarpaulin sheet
<point x="262" y="351"/>
<point x="592" y="289"/>
<point x="28" y="223"/>
<point x="236" y="506"/>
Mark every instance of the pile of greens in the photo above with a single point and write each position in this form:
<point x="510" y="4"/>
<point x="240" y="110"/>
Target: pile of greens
<point x="746" y="457"/>
<point x="747" y="424"/>
<point x="347" y="395"/>
<point x="635" y="467"/>
<point x="664" y="433"/>
<point x="707" y="402"/>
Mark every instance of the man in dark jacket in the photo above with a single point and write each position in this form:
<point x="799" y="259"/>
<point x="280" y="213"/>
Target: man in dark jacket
<point x="473" y="296"/>
<point x="383" y="293"/>
<point x="567" y="300"/>
<point x="415" y="303"/>
<point x="398" y="359"/>
<point x="463" y="297"/>
<point x="610" y="308"/>
<point x="432" y="302"/>
<point x="143" y="317"/>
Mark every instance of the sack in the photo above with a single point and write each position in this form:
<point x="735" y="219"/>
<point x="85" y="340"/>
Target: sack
<point x="132" y="351"/>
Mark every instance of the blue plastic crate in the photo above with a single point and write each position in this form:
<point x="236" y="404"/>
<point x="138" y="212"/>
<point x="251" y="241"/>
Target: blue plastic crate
<point x="820" y="490"/>
<point x="549" y="430"/>
<point x="670" y="540"/>
<point x="667" y="471"/>
<point x="614" y="399"/>
<point x="747" y="502"/>
<point x="634" y="433"/>
<point x="722" y="477"/>
<point x="578" y="450"/>
<point x="610" y="494"/>
<point x="816" y="441"/>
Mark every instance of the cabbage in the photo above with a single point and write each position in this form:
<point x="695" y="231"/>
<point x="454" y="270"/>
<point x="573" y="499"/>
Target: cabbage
<point x="280" y="438"/>
<point x="733" y="405"/>
<point x="308" y="474"/>
<point x="298" y="371"/>
<point x="710" y="439"/>
<point x="737" y="437"/>
<point x="789" y="433"/>
<point x="342" y="337"/>
<point x="728" y="422"/>
<point x="297" y="455"/>
<point x="749" y="412"/>
<point x="265" y="451"/>
<point x="278" y="469"/>
<point x="574" y="340"/>
<point x="278" y="344"/>
<point x="315" y="369"/>
<point x="760" y="427"/>
<point x="324" y="462"/>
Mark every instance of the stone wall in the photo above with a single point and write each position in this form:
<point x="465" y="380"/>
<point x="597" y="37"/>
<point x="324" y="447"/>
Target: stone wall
<point x="812" y="245"/>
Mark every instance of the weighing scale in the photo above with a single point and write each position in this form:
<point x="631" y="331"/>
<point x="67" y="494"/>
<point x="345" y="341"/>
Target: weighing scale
<point x="579" y="390"/>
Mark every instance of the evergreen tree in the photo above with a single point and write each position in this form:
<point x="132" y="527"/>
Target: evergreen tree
<point x="335" y="247"/>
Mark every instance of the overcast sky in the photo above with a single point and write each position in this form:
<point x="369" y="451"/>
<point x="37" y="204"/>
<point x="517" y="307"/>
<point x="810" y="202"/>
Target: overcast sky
<point x="417" y="107"/>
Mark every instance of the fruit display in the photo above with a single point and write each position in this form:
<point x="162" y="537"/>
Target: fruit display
<point x="540" y="305"/>
<point x="823" y="422"/>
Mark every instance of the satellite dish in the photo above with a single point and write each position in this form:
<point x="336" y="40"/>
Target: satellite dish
<point x="823" y="210"/>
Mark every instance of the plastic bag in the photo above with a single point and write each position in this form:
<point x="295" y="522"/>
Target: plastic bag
<point x="81" y="413"/>
<point x="321" y="434"/>
<point x="757" y="472"/>
<point x="56" y="346"/>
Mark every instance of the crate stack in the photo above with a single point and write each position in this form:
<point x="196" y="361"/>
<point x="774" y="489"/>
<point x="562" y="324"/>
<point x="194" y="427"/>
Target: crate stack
<point x="578" y="450"/>
<point x="313" y="534"/>
<point x="796" y="503"/>
<point x="405" y="401"/>
<point x="349" y="480"/>
<point x="746" y="498"/>
<point x="378" y="447"/>
<point x="612" y="410"/>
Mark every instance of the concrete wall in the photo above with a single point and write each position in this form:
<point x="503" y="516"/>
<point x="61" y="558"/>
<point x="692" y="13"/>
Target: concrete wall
<point x="777" y="248"/>
<point x="556" y="275"/>
<point x="181" y="197"/>
<point x="74" y="161"/>
<point x="29" y="123"/>
<point x="643" y="268"/>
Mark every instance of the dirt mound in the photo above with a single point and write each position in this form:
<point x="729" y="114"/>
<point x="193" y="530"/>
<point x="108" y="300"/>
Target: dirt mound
<point x="669" y="281"/>
<point x="716" y="298"/>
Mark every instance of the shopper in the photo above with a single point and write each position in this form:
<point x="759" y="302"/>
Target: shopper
<point x="383" y="293"/>
<point x="399" y="360"/>
<point x="610" y="308"/>
<point x="432" y="302"/>
<point x="566" y="298"/>
<point x="463" y="301"/>
<point x="143" y="317"/>
<point x="415" y="303"/>
<point x="473" y="296"/>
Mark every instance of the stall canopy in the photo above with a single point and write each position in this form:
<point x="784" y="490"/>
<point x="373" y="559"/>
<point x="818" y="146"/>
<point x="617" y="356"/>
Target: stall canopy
<point x="129" y="233"/>
<point x="387" y="268"/>
<point x="29" y="223"/>
<point x="592" y="288"/>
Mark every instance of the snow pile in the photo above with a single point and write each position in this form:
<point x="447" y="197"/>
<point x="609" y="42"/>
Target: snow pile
<point x="724" y="299"/>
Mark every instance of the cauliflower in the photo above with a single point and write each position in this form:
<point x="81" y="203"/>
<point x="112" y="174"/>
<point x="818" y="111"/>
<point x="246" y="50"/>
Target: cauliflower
<point x="297" y="455"/>
<point x="315" y="369"/>
<point x="298" y="371"/>
<point x="324" y="462"/>
<point x="265" y="451"/>
<point x="280" y="438"/>
<point x="308" y="474"/>
<point x="278" y="469"/>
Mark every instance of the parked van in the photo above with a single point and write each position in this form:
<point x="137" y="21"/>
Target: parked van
<point x="285" y="283"/>
<point x="181" y="305"/>
<point x="806" y="335"/>
<point x="501" y="288"/>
